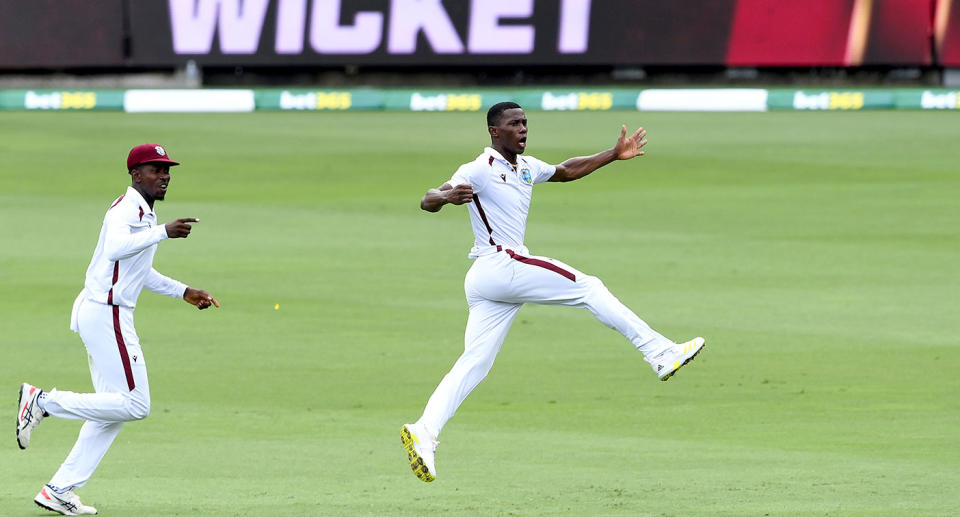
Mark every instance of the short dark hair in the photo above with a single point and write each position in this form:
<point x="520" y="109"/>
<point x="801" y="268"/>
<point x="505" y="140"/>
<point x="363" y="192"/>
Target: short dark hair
<point x="493" y="114"/>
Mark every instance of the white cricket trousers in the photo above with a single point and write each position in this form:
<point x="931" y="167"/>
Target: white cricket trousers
<point x="496" y="286"/>
<point x="119" y="375"/>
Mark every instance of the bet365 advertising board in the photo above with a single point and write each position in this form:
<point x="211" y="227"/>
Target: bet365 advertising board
<point x="450" y="100"/>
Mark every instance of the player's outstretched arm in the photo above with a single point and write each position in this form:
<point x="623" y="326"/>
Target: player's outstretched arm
<point x="122" y="242"/>
<point x="200" y="298"/>
<point x="627" y="147"/>
<point x="435" y="198"/>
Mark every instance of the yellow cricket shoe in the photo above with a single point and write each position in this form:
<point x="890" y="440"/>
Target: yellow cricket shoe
<point x="667" y="362"/>
<point x="420" y="446"/>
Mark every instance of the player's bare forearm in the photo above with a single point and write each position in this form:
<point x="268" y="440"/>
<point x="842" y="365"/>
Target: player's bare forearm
<point x="627" y="147"/>
<point x="576" y="168"/>
<point x="435" y="198"/>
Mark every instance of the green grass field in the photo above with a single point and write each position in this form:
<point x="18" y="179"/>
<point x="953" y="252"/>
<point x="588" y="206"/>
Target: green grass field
<point x="817" y="252"/>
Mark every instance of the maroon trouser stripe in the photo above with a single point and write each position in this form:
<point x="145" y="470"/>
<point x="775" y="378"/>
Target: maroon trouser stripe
<point x="124" y="357"/>
<point x="544" y="264"/>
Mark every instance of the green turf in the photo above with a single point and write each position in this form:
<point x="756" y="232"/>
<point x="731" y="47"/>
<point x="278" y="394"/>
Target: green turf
<point x="817" y="252"/>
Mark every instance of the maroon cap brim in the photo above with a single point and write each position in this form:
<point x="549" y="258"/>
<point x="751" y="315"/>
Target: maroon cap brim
<point x="168" y="162"/>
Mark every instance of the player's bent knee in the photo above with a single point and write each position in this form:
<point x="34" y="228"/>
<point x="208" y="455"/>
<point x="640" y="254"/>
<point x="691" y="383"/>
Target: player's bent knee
<point x="593" y="284"/>
<point x="139" y="412"/>
<point x="139" y="409"/>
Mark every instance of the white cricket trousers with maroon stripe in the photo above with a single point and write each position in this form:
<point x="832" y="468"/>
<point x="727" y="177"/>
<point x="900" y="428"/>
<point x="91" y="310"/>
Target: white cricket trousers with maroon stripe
<point x="119" y="376"/>
<point x="497" y="285"/>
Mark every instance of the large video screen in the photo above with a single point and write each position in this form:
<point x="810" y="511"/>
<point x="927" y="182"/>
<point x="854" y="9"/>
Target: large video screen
<point x="765" y="33"/>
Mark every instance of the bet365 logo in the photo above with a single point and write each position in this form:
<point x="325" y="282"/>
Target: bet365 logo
<point x="59" y="100"/>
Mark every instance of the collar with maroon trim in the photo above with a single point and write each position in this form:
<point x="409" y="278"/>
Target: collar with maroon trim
<point x="134" y="195"/>
<point x="494" y="155"/>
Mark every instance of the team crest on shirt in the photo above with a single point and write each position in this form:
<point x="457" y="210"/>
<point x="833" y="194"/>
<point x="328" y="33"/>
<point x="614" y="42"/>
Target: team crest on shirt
<point x="526" y="176"/>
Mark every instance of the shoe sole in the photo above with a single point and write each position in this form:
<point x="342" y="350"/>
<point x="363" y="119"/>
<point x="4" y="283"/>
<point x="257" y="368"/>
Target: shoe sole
<point x="20" y="410"/>
<point x="45" y="507"/>
<point x="416" y="462"/>
<point x="677" y="369"/>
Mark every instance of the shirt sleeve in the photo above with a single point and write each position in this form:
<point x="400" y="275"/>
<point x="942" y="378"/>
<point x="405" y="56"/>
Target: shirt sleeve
<point x="126" y="237"/>
<point x="468" y="174"/>
<point x="542" y="171"/>
<point x="164" y="285"/>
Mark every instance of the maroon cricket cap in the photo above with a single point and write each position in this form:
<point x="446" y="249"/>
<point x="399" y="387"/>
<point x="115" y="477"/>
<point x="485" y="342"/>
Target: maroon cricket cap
<point x="148" y="153"/>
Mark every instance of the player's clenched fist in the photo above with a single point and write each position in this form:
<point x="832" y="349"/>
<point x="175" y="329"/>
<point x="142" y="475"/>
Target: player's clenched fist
<point x="179" y="228"/>
<point x="460" y="194"/>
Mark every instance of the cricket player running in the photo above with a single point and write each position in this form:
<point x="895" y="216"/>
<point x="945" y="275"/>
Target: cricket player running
<point x="121" y="267"/>
<point x="497" y="187"/>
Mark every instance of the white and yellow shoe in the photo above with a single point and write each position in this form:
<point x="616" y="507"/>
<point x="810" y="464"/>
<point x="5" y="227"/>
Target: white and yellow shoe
<point x="64" y="503"/>
<point x="667" y="362"/>
<point x="420" y="446"/>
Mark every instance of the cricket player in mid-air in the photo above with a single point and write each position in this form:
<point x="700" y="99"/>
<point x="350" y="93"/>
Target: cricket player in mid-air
<point x="121" y="267"/>
<point x="497" y="187"/>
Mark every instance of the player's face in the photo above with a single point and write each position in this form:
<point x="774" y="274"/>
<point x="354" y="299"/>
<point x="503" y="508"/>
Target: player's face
<point x="153" y="179"/>
<point x="512" y="130"/>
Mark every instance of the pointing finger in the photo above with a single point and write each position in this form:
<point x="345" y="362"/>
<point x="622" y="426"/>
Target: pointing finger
<point x="215" y="302"/>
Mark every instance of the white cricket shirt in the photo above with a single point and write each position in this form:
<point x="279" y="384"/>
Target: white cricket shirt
<point x="501" y="198"/>
<point x="122" y="264"/>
